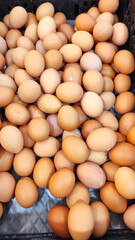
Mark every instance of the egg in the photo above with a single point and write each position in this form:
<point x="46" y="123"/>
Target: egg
<point x="8" y="81"/>
<point x="6" y="95"/>
<point x="120" y="137"/>
<point x="101" y="219"/>
<point x="6" y="160"/>
<point x="44" y="9"/>
<point x="17" y="100"/>
<point x="63" y="38"/>
<point x="26" y="192"/>
<point x="31" y="19"/>
<point x="93" y="81"/>
<point x="1" y="210"/>
<point x="3" y="29"/>
<point x="102" y="31"/>
<point x="83" y="39"/>
<point x="67" y="29"/>
<point x="79" y="192"/>
<point x="107" y="71"/>
<point x="2" y="61"/>
<point x="129" y="217"/>
<point x="11" y="139"/>
<point x="80" y="221"/>
<point x="11" y="69"/>
<point x="97" y="157"/>
<point x="6" y="20"/>
<point x="105" y="51"/>
<point x="43" y="171"/>
<point x="55" y="129"/>
<point x="40" y="48"/>
<point x="91" y="175"/>
<point x="52" y="41"/>
<point x="94" y="12"/>
<point x="12" y="37"/>
<point x="84" y="22"/>
<point x="124" y="61"/>
<point x="8" y="56"/>
<point x="38" y="129"/>
<point x="62" y="183"/>
<point x="119" y="39"/>
<point x="28" y="142"/>
<point x="35" y="112"/>
<point x="46" y="25"/>
<point x="18" y="17"/>
<point x="20" y="76"/>
<point x="49" y="103"/>
<point x="75" y="132"/>
<point x="24" y="162"/>
<point x="75" y="149"/>
<point x="71" y="52"/>
<point x="126" y="122"/>
<point x="60" y="161"/>
<point x="18" y="56"/>
<point x="107" y="6"/>
<point x="105" y="16"/>
<point x="31" y="32"/>
<point x="34" y="63"/>
<point x="90" y="61"/>
<point x="108" y="84"/>
<point x="82" y="116"/>
<point x="92" y="104"/>
<point x="88" y="126"/>
<point x="125" y="102"/>
<point x="7" y="186"/>
<point x="57" y="220"/>
<point x="108" y="99"/>
<point x="72" y="74"/>
<point x="53" y="59"/>
<point x="26" y="43"/>
<point x="59" y="18"/>
<point x="131" y="135"/>
<point x="107" y="119"/>
<point x="47" y="147"/>
<point x="3" y="45"/>
<point x="110" y="169"/>
<point x="112" y="199"/>
<point x="122" y="83"/>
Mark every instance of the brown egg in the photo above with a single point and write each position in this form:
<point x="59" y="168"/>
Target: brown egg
<point x="101" y="219"/>
<point x="88" y="126"/>
<point x="94" y="12"/>
<point x="35" y="112"/>
<point x="26" y="192"/>
<point x="59" y="19"/>
<point x="71" y="52"/>
<point x="3" y="29"/>
<point x="62" y="188"/>
<point x="110" y="169"/>
<point x="112" y="199"/>
<point x="75" y="149"/>
<point x="83" y="39"/>
<point x="29" y="91"/>
<point x="55" y="129"/>
<point x="20" y="76"/>
<point x="119" y="39"/>
<point x="24" y="162"/>
<point x="62" y="37"/>
<point x="125" y="182"/>
<point x="77" y="65"/>
<point x="1" y="210"/>
<point x="40" y="48"/>
<point x="44" y="9"/>
<point x="105" y="51"/>
<point x="7" y="186"/>
<point x="52" y="41"/>
<point x="57" y="220"/>
<point x="34" y="63"/>
<point x="72" y="74"/>
<point x="120" y="137"/>
<point x="2" y="61"/>
<point x="8" y="81"/>
<point x="17" y="100"/>
<point x="126" y="122"/>
<point x="49" y="103"/>
<point x="122" y="83"/>
<point x="6" y="20"/>
<point x="107" y="6"/>
<point x="97" y="157"/>
<point x="102" y="31"/>
<point x="108" y="84"/>
<point x="6" y="160"/>
<point x="18" y="17"/>
<point x="129" y="217"/>
<point x="8" y="56"/>
<point x="53" y="59"/>
<point x="38" y="129"/>
<point x="6" y="95"/>
<point x="28" y="142"/>
<point x="18" y="56"/>
<point x="17" y="113"/>
<point x="11" y="139"/>
<point x="3" y="45"/>
<point x="25" y="42"/>
<point x="67" y="29"/>
<point x="46" y="25"/>
<point x="108" y="99"/>
<point x="82" y="116"/>
<point x="125" y="102"/>
<point x="93" y="81"/>
<point x="131" y="135"/>
<point x="75" y="132"/>
<point x="79" y="192"/>
<point x="107" y="71"/>
<point x="31" y="19"/>
<point x="80" y="221"/>
<point x="43" y="171"/>
<point x="84" y="22"/>
<point x="31" y="32"/>
<point x="12" y="37"/>
<point x="106" y="16"/>
<point x="11" y="69"/>
<point x="107" y="119"/>
<point x="60" y="161"/>
<point x="124" y="61"/>
<point x="90" y="61"/>
<point x="47" y="148"/>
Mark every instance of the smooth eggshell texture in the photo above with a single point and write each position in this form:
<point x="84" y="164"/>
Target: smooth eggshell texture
<point x="60" y="161"/>
<point x="3" y="45"/>
<point x="120" y="137"/>
<point x="52" y="41"/>
<point x="88" y="126"/>
<point x="8" y="81"/>
<point x="94" y="12"/>
<point x="110" y="169"/>
<point x="6" y="160"/>
<point x="97" y="157"/>
<point x="122" y="83"/>
<point x="106" y="16"/>
<point x="129" y="217"/>
<point x="53" y="59"/>
<point x="119" y="39"/>
<point x="59" y="18"/>
<point x="7" y="186"/>
<point x="31" y="32"/>
<point x="84" y="22"/>
<point x="29" y="91"/>
<point x="72" y="74"/>
<point x="49" y="103"/>
<point x="108" y="84"/>
<point x="31" y="19"/>
<point x="18" y="56"/>
<point x="102" y="31"/>
<point x="25" y="43"/>
<point x="107" y="70"/>
<point x="35" y="112"/>
<point x="108" y="99"/>
<point x="38" y="129"/>
<point x="83" y="39"/>
<point x="93" y="81"/>
<point x="3" y="29"/>
<point x="44" y="9"/>
<point x="125" y="102"/>
<point x="67" y="29"/>
<point x="126" y="122"/>
<point x="107" y="119"/>
<point x="105" y="51"/>
<point x="75" y="132"/>
<point x="107" y="6"/>
<point x="131" y="135"/>
<point x="124" y="61"/>
<point x="89" y="61"/>
<point x="18" y="17"/>
<point x="6" y="96"/>
<point x="71" y="52"/>
<point x="46" y="25"/>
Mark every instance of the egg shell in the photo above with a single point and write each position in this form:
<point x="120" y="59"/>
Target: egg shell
<point x="26" y="192"/>
<point x="108" y="99"/>
<point x="53" y="59"/>
<point x="43" y="171"/>
<point x="67" y="29"/>
<point x="40" y="48"/>
<point x="3" y="29"/>
<point x="35" y="112"/>
<point x="38" y="129"/>
<point x="11" y="69"/>
<point x="83" y="39"/>
<point x="2" y="61"/>
<point x="75" y="132"/>
<point x="75" y="149"/>
<point x="107" y="6"/>
<point x="105" y="51"/>
<point x="120" y="39"/>
<point x="12" y="37"/>
<point x="6" y="95"/>
<point x="44" y="9"/>
<point x="63" y="38"/>
<point x="122" y="83"/>
<point x="101" y="139"/>
<point x="46" y="25"/>
<point x="72" y="74"/>
<point x="55" y="129"/>
<point x="28" y="142"/>
<point x="131" y="135"/>
<point x="84" y="22"/>
<point x="110" y="169"/>
<point x="97" y="157"/>
<point x="107" y="119"/>
<point x="108" y="84"/>
<point x="52" y="41"/>
<point x="18" y="17"/>
<point x="60" y="161"/>
<point x="18" y="56"/>
<point x="1" y="210"/>
<point x="6" y="160"/>
<point x="31" y="32"/>
<point x="88" y="126"/>
<point x="102" y="31"/>
<point x="124" y="61"/>
<point x="8" y="56"/>
<point x="62" y="183"/>
<point x="129" y="217"/>
<point x="125" y="182"/>
<point x="106" y="16"/>
<point x="126" y="122"/>
<point x="57" y="220"/>
<point x="6" y="21"/>
<point x="26" y="43"/>
<point x="125" y="102"/>
<point x="49" y="103"/>
<point x="93" y="81"/>
<point x="20" y="76"/>
<point x="112" y="199"/>
<point x="81" y="114"/>
<point x="108" y="71"/>
<point x="7" y="186"/>
<point x="79" y="192"/>
<point x="31" y="19"/>
<point x="94" y="12"/>
<point x="71" y="52"/>
<point x="90" y="61"/>
<point x="80" y="221"/>
<point x="101" y="219"/>
<point x="59" y="18"/>
<point x="6" y="80"/>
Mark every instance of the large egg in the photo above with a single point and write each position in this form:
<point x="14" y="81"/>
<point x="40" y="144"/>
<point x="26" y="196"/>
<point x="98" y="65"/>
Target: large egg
<point x="124" y="61"/>
<point x="125" y="102"/>
<point x="29" y="91"/>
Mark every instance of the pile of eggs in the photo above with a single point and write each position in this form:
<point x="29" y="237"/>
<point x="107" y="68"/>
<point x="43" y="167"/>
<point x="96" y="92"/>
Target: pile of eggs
<point x="56" y="93"/>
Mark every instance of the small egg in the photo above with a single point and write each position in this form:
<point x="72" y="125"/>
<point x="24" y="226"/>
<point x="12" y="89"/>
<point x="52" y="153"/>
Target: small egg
<point x="35" y="112"/>
<point x="93" y="81"/>
<point x="107" y="6"/>
<point x="2" y="61"/>
<point x="88" y="126"/>
<point x="125" y="102"/>
<point x="7" y="186"/>
<point x="102" y="31"/>
<point x="90" y="61"/>
<point x="75" y="149"/>
<point x="43" y="171"/>
<point x="55" y="129"/>
<point x="3" y="29"/>
<point x="18" y="17"/>
<point x="12" y="37"/>
<point x="1" y="210"/>
<point x="122" y="83"/>
<point x="40" y="48"/>
<point x="107" y="71"/>
<point x="131" y="135"/>
<point x="107" y="119"/>
<point x="126" y="122"/>
<point x="3" y="45"/>
<point x="120" y="137"/>
<point x="6" y="96"/>
<point x="38" y="129"/>
<point x="11" y="139"/>
<point x="101" y="219"/>
<point x="57" y="220"/>
<point x="84" y="22"/>
<point x="129" y="217"/>
<point x="125" y="182"/>
<point x="108" y="99"/>
<point x="112" y="199"/>
<point x="49" y="103"/>
<point x="8" y="56"/>
<point x="31" y="19"/>
<point x="83" y="39"/>
<point x="53" y="59"/>
<point x="6" y="160"/>
<point x="59" y="19"/>
<point x="108" y="84"/>
<point x="46" y="25"/>
<point x="47" y="148"/>
<point x="97" y="157"/>
<point x="28" y="142"/>
<point x="110" y="169"/>
<point x="8" y="81"/>
<point x="72" y="74"/>
<point x="26" y="43"/>
<point x="26" y="192"/>
<point x="31" y="32"/>
<point x="44" y="9"/>
<point x="58" y="188"/>
<point x="106" y="16"/>
<point x="119" y="39"/>
<point x="60" y="161"/>
<point x="94" y="12"/>
<point x="67" y="29"/>
<point x="124" y="61"/>
<point x="82" y="116"/>
<point x="105" y="51"/>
